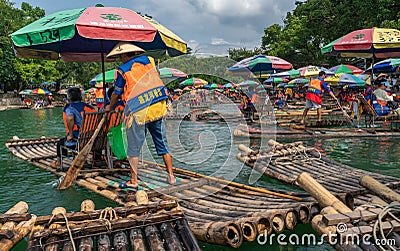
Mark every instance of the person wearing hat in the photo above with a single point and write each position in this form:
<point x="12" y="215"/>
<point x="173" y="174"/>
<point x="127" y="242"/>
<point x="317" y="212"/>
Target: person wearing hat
<point x="382" y="98"/>
<point x="141" y="88"/>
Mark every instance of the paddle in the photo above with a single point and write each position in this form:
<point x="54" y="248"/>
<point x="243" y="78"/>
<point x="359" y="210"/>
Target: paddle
<point x="349" y="120"/>
<point x="80" y="159"/>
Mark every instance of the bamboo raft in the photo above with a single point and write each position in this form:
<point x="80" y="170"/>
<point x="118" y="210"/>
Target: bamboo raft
<point x="14" y="225"/>
<point x="218" y="211"/>
<point x="310" y="133"/>
<point x="147" y="226"/>
<point x="369" y="227"/>
<point x="285" y="162"/>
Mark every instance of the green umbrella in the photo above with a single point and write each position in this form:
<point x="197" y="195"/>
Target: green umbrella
<point x="110" y="77"/>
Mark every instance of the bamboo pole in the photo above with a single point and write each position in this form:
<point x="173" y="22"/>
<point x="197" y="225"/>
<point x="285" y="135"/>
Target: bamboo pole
<point x="186" y="235"/>
<point x="323" y="196"/>
<point x="225" y="182"/>
<point x="171" y="239"/>
<point x="137" y="240"/>
<point x="153" y="238"/>
<point x="120" y="241"/>
<point x="103" y="243"/>
<point x="222" y="233"/>
<point x="379" y="189"/>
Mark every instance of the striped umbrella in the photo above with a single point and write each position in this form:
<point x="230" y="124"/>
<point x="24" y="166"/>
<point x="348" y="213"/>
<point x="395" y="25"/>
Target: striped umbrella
<point x="344" y="79"/>
<point x="312" y="71"/>
<point x="261" y="64"/>
<point x="171" y="73"/>
<point x="40" y="91"/>
<point x="248" y="83"/>
<point x="345" y="68"/>
<point x="194" y="82"/>
<point x="275" y="80"/>
<point x="300" y="81"/>
<point x="111" y="76"/>
<point x="287" y="74"/>
<point x="26" y="92"/>
<point x="389" y="65"/>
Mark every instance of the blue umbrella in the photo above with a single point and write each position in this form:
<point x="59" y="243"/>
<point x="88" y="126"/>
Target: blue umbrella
<point x="388" y="65"/>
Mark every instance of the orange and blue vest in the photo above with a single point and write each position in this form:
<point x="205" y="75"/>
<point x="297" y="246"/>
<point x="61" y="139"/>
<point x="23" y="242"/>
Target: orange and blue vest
<point x="99" y="94"/>
<point x="143" y="91"/>
<point x="316" y="89"/>
<point x="77" y="109"/>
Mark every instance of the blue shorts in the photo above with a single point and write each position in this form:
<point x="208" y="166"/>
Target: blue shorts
<point x="137" y="135"/>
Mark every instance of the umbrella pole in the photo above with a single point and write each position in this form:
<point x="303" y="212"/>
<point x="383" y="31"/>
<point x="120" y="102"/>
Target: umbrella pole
<point x="103" y="72"/>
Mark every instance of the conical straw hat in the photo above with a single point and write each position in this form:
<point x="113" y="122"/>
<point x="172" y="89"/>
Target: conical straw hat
<point x="124" y="47"/>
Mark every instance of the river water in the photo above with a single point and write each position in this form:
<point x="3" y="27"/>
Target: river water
<point x="204" y="147"/>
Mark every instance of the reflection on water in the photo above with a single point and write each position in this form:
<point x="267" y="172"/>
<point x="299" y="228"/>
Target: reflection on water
<point x="208" y="147"/>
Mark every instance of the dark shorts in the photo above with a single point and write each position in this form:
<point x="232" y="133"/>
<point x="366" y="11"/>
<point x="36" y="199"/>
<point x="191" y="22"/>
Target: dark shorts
<point x="137" y="135"/>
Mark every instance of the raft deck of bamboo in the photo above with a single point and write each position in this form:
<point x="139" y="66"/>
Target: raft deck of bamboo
<point x="285" y="162"/>
<point x="311" y="133"/>
<point x="218" y="211"/>
<point x="148" y="226"/>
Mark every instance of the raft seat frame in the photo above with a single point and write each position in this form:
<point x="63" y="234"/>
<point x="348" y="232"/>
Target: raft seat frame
<point x="372" y="116"/>
<point x="90" y="121"/>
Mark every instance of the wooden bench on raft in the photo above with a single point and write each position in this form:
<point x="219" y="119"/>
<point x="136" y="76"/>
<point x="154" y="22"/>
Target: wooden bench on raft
<point x="372" y="116"/>
<point x="100" y="149"/>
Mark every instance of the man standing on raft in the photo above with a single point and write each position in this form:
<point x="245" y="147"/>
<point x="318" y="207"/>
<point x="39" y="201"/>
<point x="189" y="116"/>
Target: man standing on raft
<point x="314" y="96"/>
<point x="145" y="95"/>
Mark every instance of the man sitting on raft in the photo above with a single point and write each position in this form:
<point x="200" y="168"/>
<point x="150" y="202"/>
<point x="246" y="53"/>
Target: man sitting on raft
<point x="72" y="115"/>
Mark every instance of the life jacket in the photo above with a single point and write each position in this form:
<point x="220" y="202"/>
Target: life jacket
<point x="254" y="98"/>
<point x="145" y="101"/>
<point x="81" y="108"/>
<point x="99" y="94"/>
<point x="314" y="91"/>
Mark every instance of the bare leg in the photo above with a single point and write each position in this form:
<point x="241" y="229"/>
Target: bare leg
<point x="134" y="162"/>
<point x="319" y="112"/>
<point x="304" y="115"/>
<point x="168" y="163"/>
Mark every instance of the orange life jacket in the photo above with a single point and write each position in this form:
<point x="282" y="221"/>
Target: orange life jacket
<point x="81" y="107"/>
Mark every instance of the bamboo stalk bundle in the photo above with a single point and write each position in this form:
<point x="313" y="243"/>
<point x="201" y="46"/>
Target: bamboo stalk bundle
<point x="103" y="242"/>
<point x="221" y="233"/>
<point x="120" y="241"/>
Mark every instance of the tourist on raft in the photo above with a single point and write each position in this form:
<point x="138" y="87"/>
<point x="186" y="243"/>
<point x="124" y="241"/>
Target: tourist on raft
<point x="314" y="96"/>
<point x="145" y="96"/>
<point x="382" y="99"/>
<point x="72" y="116"/>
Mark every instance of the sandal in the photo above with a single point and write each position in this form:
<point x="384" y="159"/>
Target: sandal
<point x="126" y="185"/>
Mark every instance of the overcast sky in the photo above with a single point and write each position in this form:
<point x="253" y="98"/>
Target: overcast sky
<point x="208" y="26"/>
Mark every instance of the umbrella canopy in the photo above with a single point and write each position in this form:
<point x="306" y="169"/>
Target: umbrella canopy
<point x="229" y="85"/>
<point x="353" y="86"/>
<point x="287" y="74"/>
<point x="111" y="75"/>
<point x="344" y="79"/>
<point x="26" y="92"/>
<point x="345" y="68"/>
<point x="90" y="90"/>
<point x="171" y="73"/>
<point x="290" y="85"/>
<point x="213" y="86"/>
<point x="299" y="81"/>
<point x="312" y="71"/>
<point x="178" y="90"/>
<point x="187" y="88"/>
<point x="81" y="35"/>
<point x="261" y="64"/>
<point x="366" y="43"/>
<point x="275" y="80"/>
<point x="194" y="81"/>
<point x="62" y="92"/>
<point x="40" y="91"/>
<point x="388" y="65"/>
<point x="248" y="83"/>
